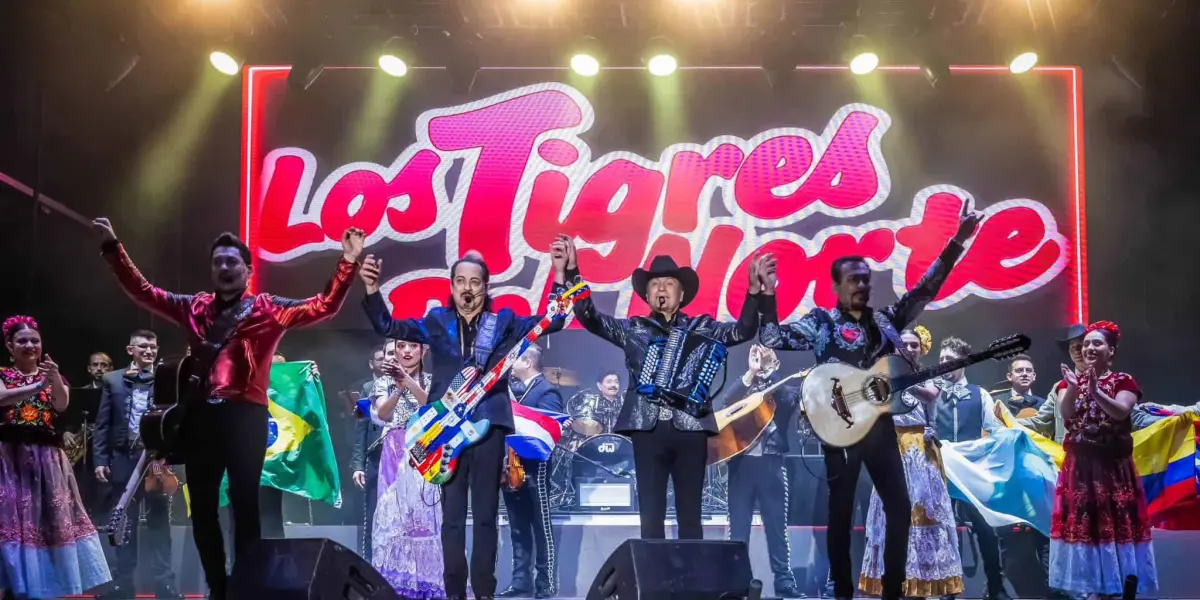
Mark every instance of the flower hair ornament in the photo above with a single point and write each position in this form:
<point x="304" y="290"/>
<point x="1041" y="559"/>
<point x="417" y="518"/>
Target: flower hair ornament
<point x="14" y="324"/>
<point x="1110" y="328"/>
<point x="925" y="337"/>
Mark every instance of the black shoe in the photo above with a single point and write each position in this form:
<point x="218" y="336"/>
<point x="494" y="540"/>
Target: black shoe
<point x="167" y="592"/>
<point x="997" y="594"/>
<point x="513" y="592"/>
<point x="788" y="591"/>
<point x="117" y="592"/>
<point x="543" y="593"/>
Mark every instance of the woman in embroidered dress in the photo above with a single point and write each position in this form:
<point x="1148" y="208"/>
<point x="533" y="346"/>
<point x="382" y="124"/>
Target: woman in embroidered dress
<point x="1100" y="530"/>
<point x="934" y="567"/>
<point x="48" y="546"/>
<point x="406" y="539"/>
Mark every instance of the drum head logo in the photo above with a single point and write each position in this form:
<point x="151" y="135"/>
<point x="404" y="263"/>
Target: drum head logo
<point x="272" y="432"/>
<point x="607" y="447"/>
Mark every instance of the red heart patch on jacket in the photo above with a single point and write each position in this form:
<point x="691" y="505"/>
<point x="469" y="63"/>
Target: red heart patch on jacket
<point x="850" y="334"/>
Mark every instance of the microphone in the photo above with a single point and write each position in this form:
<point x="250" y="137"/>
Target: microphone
<point x="1130" y="591"/>
<point x="468" y="297"/>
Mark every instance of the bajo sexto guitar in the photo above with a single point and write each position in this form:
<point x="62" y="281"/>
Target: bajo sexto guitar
<point x="439" y="431"/>
<point x="843" y="402"/>
<point x="118" y="520"/>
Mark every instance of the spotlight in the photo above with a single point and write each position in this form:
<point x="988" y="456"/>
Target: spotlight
<point x="585" y="64"/>
<point x="225" y="63"/>
<point x="393" y="65"/>
<point x="660" y="59"/>
<point x="1023" y="62"/>
<point x="585" y="56"/>
<point x="864" y="63"/>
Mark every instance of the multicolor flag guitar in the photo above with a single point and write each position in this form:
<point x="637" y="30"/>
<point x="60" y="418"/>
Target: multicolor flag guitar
<point x="439" y="431"/>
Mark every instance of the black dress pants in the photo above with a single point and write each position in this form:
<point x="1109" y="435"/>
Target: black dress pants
<point x="225" y="437"/>
<point x="477" y="480"/>
<point x="989" y="543"/>
<point x="270" y="512"/>
<point x="879" y="452"/>
<point x="664" y="454"/>
<point x="762" y="480"/>
<point x="158" y="525"/>
<point x="370" y="500"/>
<point x="531" y="529"/>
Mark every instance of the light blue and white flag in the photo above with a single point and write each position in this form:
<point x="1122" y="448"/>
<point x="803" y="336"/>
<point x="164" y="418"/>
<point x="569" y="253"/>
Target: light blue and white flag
<point x="1006" y="476"/>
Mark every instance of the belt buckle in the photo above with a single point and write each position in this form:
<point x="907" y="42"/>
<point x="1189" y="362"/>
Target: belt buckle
<point x="216" y="400"/>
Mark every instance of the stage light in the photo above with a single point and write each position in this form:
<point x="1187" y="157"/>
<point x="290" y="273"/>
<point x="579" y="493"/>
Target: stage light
<point x="393" y="65"/>
<point x="1023" y="62"/>
<point x="585" y="64"/>
<point x="662" y="65"/>
<point x="864" y="63"/>
<point x="225" y="63"/>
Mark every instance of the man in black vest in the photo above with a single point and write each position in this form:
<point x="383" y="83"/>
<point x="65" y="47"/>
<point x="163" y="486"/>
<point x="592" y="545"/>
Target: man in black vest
<point x="1019" y="396"/>
<point x="669" y="445"/>
<point x="758" y="475"/>
<point x="529" y="506"/>
<point x="964" y="411"/>
<point x="364" y="460"/>
<point x="125" y="396"/>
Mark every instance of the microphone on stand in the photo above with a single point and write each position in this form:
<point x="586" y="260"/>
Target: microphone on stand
<point x="1130" y="592"/>
<point x="755" y="590"/>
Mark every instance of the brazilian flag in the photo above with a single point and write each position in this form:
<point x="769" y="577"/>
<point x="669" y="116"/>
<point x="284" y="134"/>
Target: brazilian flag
<point x="300" y="455"/>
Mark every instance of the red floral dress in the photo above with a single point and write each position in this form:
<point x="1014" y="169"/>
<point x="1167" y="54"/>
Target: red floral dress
<point x="31" y="419"/>
<point x="1100" y="530"/>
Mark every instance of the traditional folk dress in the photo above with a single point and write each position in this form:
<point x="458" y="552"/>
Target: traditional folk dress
<point x="406" y="539"/>
<point x="1100" y="531"/>
<point x="934" y="567"/>
<point x="48" y="546"/>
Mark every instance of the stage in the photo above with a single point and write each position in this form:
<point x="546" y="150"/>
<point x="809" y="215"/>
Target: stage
<point x="585" y="541"/>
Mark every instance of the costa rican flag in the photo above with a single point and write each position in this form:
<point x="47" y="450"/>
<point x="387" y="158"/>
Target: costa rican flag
<point x="537" y="432"/>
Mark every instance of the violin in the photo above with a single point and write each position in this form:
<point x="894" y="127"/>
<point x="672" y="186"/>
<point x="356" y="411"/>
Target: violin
<point x="160" y="478"/>
<point x="513" y="476"/>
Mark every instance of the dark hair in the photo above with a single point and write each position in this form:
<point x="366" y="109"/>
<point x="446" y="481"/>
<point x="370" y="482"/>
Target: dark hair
<point x="143" y="333"/>
<point x="380" y="348"/>
<point x="605" y="375"/>
<point x="1017" y="358"/>
<point x="280" y="355"/>
<point x="956" y="346"/>
<point x="534" y="354"/>
<point x="474" y="259"/>
<point x="835" y="271"/>
<point x="228" y="240"/>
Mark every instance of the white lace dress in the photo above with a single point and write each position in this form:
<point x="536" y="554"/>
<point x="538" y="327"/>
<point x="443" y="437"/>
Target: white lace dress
<point x="406" y="539"/>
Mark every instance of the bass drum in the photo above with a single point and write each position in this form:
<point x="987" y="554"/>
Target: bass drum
<point x="605" y="457"/>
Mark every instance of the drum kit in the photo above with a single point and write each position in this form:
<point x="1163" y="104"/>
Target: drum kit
<point x="589" y="457"/>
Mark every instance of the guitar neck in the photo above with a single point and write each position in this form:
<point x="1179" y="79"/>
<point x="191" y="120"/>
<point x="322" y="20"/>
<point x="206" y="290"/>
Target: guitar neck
<point x="906" y="381"/>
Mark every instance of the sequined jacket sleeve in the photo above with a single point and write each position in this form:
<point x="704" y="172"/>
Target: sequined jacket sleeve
<point x="173" y="307"/>
<point x="610" y="328"/>
<point x="797" y="335"/>
<point x="910" y="305"/>
<point x="740" y="331"/>
<point x="322" y="307"/>
<point x="409" y="330"/>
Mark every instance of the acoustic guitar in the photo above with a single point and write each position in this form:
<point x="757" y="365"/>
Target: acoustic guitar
<point x="742" y="423"/>
<point x="843" y="402"/>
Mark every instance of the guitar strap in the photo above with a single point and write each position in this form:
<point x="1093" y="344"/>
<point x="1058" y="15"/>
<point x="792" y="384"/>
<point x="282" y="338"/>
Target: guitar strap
<point x="887" y="329"/>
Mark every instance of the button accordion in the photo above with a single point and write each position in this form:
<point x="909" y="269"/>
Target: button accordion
<point x="679" y="371"/>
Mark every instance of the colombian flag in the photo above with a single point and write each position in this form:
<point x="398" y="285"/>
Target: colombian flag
<point x="1165" y="455"/>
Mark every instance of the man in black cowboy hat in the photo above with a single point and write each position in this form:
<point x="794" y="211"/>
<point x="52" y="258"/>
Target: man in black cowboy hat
<point x="1048" y="420"/>
<point x="667" y="444"/>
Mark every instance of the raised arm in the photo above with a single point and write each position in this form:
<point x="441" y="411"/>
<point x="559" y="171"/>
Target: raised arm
<point x="746" y="327"/>
<point x="910" y="305"/>
<point x="173" y="307"/>
<point x="409" y="330"/>
<point x="566" y="271"/>
<point x="325" y="305"/>
<point x="797" y="335"/>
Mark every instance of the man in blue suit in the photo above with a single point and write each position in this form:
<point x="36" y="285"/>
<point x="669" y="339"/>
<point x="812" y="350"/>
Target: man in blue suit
<point x="466" y="332"/>
<point x="529" y="506"/>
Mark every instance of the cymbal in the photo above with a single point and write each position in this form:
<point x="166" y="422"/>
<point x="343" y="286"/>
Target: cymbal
<point x="561" y="376"/>
<point x="586" y="426"/>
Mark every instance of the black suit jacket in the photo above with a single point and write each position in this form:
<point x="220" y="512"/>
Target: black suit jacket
<point x="786" y="400"/>
<point x="542" y="395"/>
<point x="366" y="433"/>
<point x="112" y="432"/>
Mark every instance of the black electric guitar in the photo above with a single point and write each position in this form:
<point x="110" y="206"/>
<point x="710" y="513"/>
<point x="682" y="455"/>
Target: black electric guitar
<point x="843" y="402"/>
<point x="118" y="520"/>
<point x="180" y="383"/>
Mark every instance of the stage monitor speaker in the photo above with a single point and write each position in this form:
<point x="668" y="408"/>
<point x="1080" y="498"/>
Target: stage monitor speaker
<point x="306" y="569"/>
<point x="674" y="570"/>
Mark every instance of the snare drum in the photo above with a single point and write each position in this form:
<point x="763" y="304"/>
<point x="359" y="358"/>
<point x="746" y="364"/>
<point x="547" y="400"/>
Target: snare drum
<point x="610" y="451"/>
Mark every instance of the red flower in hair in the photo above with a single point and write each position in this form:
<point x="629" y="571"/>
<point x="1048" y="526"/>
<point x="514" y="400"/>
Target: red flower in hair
<point x="1113" y="331"/>
<point x="12" y="324"/>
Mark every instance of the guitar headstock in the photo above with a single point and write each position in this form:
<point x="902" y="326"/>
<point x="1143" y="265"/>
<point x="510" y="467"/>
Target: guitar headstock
<point x="561" y="306"/>
<point x="1008" y="347"/>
